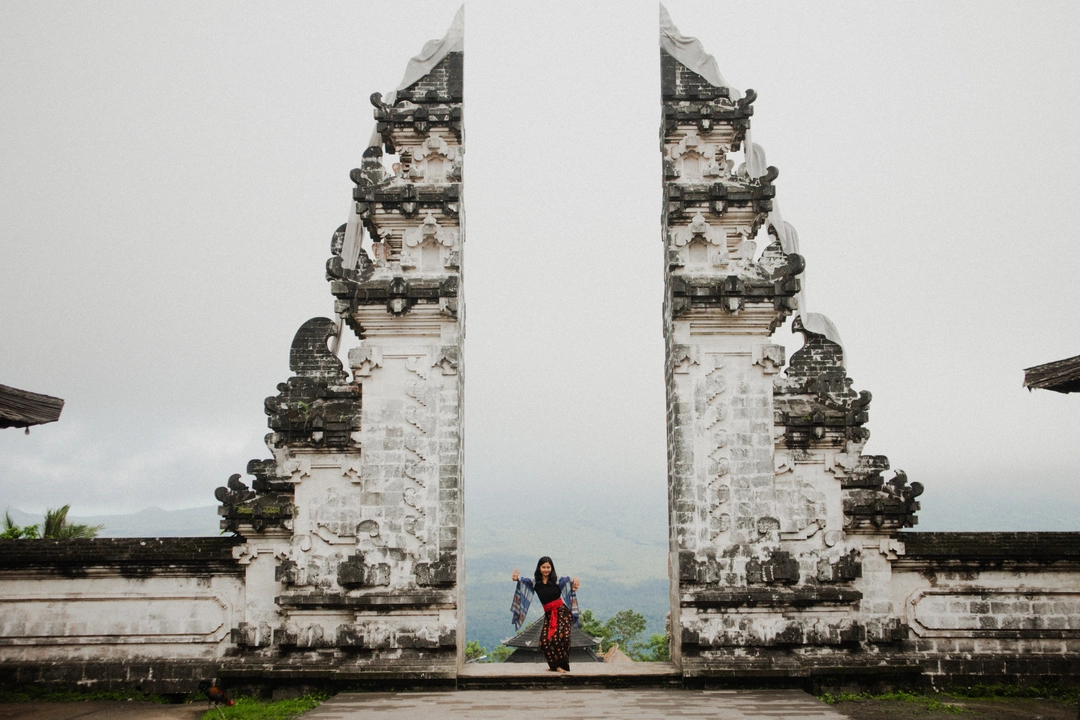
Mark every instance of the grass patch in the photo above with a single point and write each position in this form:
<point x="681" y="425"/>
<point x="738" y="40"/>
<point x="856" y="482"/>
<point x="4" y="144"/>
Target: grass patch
<point x="932" y="703"/>
<point x="34" y="693"/>
<point x="247" y="708"/>
<point x="1050" y="691"/>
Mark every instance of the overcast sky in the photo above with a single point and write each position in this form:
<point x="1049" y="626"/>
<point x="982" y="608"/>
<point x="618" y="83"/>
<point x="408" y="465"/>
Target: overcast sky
<point x="171" y="174"/>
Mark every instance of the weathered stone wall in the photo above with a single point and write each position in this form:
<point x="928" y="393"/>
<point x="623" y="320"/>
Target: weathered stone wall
<point x="154" y="613"/>
<point x="1001" y="606"/>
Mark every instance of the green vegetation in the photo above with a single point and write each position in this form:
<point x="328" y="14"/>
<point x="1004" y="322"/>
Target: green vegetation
<point x="657" y="649"/>
<point x="942" y="702"/>
<point x="1052" y="691"/>
<point x="56" y="527"/>
<point x="625" y="629"/>
<point x="14" y="532"/>
<point x="476" y="652"/>
<point x="247" y="708"/>
<point x="931" y="702"/>
<point x="34" y="693"/>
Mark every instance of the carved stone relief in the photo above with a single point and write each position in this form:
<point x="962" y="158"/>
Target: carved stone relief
<point x="430" y="247"/>
<point x="694" y="160"/>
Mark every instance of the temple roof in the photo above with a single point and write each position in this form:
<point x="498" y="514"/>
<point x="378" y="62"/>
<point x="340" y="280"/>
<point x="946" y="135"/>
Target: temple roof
<point x="1062" y="376"/>
<point x="21" y="408"/>
<point x="530" y="637"/>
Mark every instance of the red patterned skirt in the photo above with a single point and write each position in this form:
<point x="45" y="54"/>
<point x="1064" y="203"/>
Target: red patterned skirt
<point x="555" y="635"/>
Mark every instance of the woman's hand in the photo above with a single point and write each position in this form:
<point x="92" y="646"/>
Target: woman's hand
<point x="515" y="576"/>
<point x="577" y="583"/>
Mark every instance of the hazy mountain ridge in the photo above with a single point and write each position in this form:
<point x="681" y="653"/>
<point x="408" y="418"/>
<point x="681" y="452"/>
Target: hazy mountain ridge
<point x="957" y="508"/>
<point x="489" y="592"/>
<point x="617" y="546"/>
<point x="149" y="522"/>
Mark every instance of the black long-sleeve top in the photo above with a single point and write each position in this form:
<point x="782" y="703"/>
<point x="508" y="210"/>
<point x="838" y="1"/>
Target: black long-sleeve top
<point x="548" y="591"/>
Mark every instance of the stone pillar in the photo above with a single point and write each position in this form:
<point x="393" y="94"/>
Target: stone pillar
<point x="723" y="301"/>
<point x="353" y="530"/>
<point x="781" y="532"/>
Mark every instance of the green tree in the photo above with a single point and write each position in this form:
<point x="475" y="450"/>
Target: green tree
<point x="594" y="628"/>
<point x="498" y="654"/>
<point x="58" y="528"/>
<point x="625" y="628"/>
<point x="656" y="649"/>
<point x="473" y="650"/>
<point x="14" y="532"/>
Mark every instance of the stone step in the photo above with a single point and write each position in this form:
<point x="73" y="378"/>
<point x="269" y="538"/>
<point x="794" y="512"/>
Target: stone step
<point x="536" y="675"/>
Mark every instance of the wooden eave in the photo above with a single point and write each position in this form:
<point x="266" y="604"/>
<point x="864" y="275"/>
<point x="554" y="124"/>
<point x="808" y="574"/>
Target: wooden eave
<point x="20" y="408"/>
<point x="1062" y="376"/>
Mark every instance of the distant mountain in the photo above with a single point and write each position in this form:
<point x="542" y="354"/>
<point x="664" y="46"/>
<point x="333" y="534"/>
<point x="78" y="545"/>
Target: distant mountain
<point x="617" y="546"/>
<point x="489" y="591"/>
<point x="1028" y="505"/>
<point x="151" y="522"/>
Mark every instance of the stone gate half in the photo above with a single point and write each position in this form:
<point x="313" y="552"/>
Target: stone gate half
<point x="787" y="554"/>
<point x="352" y="530"/>
<point x="345" y="561"/>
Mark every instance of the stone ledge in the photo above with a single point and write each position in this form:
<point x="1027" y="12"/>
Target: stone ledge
<point x="129" y="556"/>
<point x="771" y="597"/>
<point x="152" y="675"/>
<point x="937" y="548"/>
<point x="439" y="600"/>
<point x="694" y="669"/>
<point x="434" y="670"/>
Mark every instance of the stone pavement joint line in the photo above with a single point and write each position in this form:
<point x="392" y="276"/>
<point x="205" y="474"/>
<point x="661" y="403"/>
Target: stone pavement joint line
<point x="576" y="704"/>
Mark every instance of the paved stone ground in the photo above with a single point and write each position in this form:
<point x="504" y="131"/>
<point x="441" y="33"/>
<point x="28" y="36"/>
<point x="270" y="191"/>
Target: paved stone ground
<point x="577" y="704"/>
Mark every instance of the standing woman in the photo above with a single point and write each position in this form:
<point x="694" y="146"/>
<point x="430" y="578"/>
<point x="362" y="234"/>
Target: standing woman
<point x="559" y="598"/>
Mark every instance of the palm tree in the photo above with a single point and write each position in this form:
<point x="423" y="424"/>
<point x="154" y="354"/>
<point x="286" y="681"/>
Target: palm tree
<point x="57" y="527"/>
<point x="12" y="531"/>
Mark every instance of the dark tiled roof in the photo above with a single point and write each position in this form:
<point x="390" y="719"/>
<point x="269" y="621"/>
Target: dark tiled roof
<point x="530" y="638"/>
<point x="992" y="546"/>
<point x="19" y="408"/>
<point x="1062" y="376"/>
<point x="533" y="655"/>
<point x="132" y="557"/>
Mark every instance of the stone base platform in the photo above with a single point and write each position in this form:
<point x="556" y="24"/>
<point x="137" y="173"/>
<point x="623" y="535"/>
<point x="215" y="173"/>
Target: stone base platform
<point x="474" y="676"/>
<point x="579" y="704"/>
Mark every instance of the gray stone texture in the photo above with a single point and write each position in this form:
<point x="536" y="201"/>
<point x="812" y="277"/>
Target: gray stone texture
<point x="786" y="551"/>
<point x="366" y="576"/>
<point x="577" y="704"/>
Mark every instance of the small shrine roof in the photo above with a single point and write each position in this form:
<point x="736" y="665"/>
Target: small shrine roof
<point x="1062" y="376"/>
<point x="21" y="408"/>
<point x="530" y="637"/>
